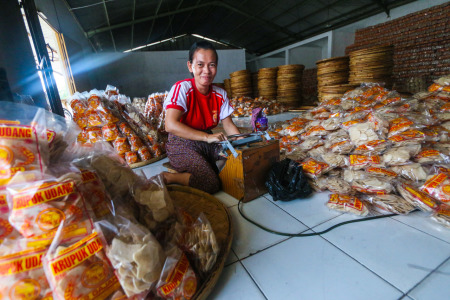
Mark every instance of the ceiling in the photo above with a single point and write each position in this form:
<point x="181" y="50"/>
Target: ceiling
<point x="258" y="26"/>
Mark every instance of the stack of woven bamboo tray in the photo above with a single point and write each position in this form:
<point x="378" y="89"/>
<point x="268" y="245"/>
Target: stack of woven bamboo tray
<point x="372" y="65"/>
<point x="267" y="83"/>
<point x="289" y="81"/>
<point x="241" y="83"/>
<point x="255" y="84"/>
<point x="227" y="84"/>
<point x="335" y="91"/>
<point x="332" y="73"/>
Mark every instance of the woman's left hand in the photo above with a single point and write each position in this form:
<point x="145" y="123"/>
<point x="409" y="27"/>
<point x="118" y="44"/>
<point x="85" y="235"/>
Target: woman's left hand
<point x="215" y="137"/>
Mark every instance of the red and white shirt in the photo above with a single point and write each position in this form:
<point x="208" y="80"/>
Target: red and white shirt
<point x="201" y="112"/>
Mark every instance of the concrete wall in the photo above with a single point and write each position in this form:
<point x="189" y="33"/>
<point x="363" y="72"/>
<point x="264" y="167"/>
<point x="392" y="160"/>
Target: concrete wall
<point x="138" y="74"/>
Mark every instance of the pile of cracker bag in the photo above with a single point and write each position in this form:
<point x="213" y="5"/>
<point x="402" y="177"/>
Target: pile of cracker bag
<point x="77" y="223"/>
<point x="377" y="151"/>
<point x="110" y="116"/>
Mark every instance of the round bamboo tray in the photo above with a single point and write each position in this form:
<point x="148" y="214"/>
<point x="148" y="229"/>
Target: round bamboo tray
<point x="227" y="84"/>
<point x="194" y="202"/>
<point x="290" y="68"/>
<point x="255" y="84"/>
<point x="239" y="73"/>
<point x="372" y="64"/>
<point x="331" y="72"/>
<point x="289" y="81"/>
<point x="267" y="83"/>
<point x="147" y="162"/>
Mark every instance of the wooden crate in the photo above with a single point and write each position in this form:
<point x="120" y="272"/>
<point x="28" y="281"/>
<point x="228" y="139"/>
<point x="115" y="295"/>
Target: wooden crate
<point x="243" y="177"/>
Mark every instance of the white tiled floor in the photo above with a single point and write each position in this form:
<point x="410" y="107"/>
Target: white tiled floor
<point x="403" y="257"/>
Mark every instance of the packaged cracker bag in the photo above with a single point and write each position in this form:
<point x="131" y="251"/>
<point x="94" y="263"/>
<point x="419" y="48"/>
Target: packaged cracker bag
<point x="81" y="270"/>
<point x="23" y="143"/>
<point x="178" y="279"/>
<point x="346" y="203"/>
<point x="38" y="209"/>
<point x="134" y="253"/>
<point x="22" y="276"/>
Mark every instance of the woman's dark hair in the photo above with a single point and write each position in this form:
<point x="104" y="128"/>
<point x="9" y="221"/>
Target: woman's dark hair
<point x="202" y="45"/>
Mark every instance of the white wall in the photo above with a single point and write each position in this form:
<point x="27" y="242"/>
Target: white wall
<point x="305" y="55"/>
<point x="138" y="74"/>
<point x="268" y="62"/>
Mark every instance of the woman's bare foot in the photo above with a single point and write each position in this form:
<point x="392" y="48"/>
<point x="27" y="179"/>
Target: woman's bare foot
<point x="180" y="178"/>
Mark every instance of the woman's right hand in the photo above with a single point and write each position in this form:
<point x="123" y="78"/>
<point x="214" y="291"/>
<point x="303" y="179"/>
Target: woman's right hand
<point x="215" y="137"/>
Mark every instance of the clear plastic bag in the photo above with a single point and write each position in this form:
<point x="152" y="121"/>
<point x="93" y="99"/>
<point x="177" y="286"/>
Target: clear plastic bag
<point x="358" y="162"/>
<point x="373" y="147"/>
<point x="442" y="215"/>
<point x="134" y="253"/>
<point x="336" y="160"/>
<point x="400" y="155"/>
<point x="363" y="133"/>
<point x="157" y="206"/>
<point x="391" y="203"/>
<point x="350" y="175"/>
<point x="381" y="172"/>
<point x="178" y="280"/>
<point x="314" y="131"/>
<point x="438" y="186"/>
<point x="346" y="203"/>
<point x="318" y="184"/>
<point x="339" y="186"/>
<point x="24" y="152"/>
<point x="431" y="156"/>
<point x="117" y="177"/>
<point x="412" y="171"/>
<point x="314" y="168"/>
<point x="39" y="208"/>
<point x="419" y="199"/>
<point x="23" y="277"/>
<point x="95" y="194"/>
<point x="408" y="137"/>
<point x="372" y="185"/>
<point x="200" y="242"/>
<point x="81" y="270"/>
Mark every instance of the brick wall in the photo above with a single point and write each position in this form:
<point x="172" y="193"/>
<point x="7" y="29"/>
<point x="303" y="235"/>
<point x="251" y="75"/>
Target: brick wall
<point x="309" y="86"/>
<point x="421" y="45"/>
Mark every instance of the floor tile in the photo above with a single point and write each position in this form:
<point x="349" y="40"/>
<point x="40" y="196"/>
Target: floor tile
<point x="311" y="211"/>
<point x="398" y="253"/>
<point x="226" y="199"/>
<point x="232" y="258"/>
<point x="422" y="222"/>
<point x="434" y="286"/>
<point x="312" y="268"/>
<point x="235" y="284"/>
<point x="250" y="239"/>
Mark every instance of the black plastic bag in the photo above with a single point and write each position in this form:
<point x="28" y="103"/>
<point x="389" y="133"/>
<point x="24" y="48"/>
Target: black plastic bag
<point x="287" y="181"/>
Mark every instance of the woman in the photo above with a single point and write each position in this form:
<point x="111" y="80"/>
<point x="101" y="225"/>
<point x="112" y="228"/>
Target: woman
<point x="193" y="107"/>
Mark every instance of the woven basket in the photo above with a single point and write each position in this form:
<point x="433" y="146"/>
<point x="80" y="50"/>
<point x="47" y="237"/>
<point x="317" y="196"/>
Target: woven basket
<point x="194" y="202"/>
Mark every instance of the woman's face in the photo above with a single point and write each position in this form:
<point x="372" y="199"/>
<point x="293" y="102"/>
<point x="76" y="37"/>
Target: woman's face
<point x="204" y="67"/>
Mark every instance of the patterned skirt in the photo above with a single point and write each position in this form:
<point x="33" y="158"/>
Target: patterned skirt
<point x="197" y="158"/>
